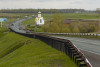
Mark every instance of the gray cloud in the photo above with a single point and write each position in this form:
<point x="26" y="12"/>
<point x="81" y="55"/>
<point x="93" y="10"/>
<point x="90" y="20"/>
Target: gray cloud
<point x="86" y="4"/>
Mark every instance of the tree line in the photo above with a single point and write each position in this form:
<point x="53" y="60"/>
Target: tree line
<point x="46" y="11"/>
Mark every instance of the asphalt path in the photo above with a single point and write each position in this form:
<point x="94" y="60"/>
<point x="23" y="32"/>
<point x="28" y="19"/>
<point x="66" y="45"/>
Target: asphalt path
<point x="17" y="27"/>
<point x="90" y="48"/>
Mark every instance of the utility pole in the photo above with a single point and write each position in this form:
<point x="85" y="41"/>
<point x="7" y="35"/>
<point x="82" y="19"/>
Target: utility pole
<point x="1" y="24"/>
<point x="98" y="11"/>
<point x="99" y="20"/>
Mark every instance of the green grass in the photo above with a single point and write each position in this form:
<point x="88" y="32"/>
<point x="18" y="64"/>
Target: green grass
<point x="30" y="21"/>
<point x="9" y="20"/>
<point x="74" y="16"/>
<point x="81" y="15"/>
<point x="47" y="17"/>
<point x="2" y="30"/>
<point x="14" y="15"/>
<point x="20" y="51"/>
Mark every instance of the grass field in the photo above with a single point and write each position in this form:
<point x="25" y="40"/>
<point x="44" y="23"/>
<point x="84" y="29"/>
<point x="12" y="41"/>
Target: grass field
<point x="81" y="15"/>
<point x="74" y="16"/>
<point x="14" y="15"/>
<point x="30" y="21"/>
<point x="20" y="51"/>
<point x="3" y="30"/>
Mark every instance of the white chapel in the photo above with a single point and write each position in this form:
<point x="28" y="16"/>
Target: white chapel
<point x="39" y="20"/>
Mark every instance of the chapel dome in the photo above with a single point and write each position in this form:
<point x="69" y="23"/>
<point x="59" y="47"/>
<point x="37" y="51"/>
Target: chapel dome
<point x="39" y="12"/>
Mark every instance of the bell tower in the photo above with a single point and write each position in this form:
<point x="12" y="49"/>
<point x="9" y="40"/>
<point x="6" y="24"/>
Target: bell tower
<point x="39" y="13"/>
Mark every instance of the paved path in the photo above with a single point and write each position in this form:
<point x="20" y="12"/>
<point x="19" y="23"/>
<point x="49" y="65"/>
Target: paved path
<point x="94" y="59"/>
<point x="17" y="27"/>
<point x="90" y="48"/>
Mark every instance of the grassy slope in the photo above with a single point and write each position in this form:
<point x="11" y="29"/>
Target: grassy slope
<point x="20" y="51"/>
<point x="2" y="30"/>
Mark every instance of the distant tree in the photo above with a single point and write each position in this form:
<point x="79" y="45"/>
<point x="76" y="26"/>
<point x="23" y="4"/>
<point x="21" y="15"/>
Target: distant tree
<point x="58" y="25"/>
<point x="76" y="29"/>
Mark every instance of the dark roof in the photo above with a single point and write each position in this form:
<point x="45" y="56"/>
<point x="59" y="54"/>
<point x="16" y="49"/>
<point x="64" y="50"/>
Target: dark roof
<point x="67" y="21"/>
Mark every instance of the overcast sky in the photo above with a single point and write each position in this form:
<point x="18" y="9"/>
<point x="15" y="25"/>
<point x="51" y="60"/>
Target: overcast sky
<point x="47" y="4"/>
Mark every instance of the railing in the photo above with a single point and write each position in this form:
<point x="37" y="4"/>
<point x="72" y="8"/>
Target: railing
<point x="63" y="45"/>
<point x="67" y="47"/>
<point x="72" y="34"/>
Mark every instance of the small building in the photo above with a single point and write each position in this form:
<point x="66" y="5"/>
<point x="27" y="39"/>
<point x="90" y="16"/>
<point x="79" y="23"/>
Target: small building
<point x="67" y="22"/>
<point x="39" y="20"/>
<point x="51" y="22"/>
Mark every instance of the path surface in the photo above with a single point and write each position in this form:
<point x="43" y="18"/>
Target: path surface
<point x="90" y="48"/>
<point x="93" y="58"/>
<point x="17" y="27"/>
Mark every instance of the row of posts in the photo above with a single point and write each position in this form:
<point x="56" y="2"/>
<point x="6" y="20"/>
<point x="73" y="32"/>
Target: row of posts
<point x="62" y="45"/>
